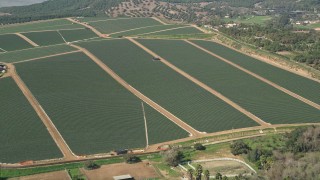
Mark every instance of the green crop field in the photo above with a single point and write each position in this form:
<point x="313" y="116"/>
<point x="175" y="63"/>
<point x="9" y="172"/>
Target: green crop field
<point x="185" y="30"/>
<point x="264" y="101"/>
<point x="45" y="38"/>
<point x="79" y="34"/>
<point x="305" y="87"/>
<point x="116" y="25"/>
<point x="101" y="18"/>
<point x="37" y="52"/>
<point x="11" y="42"/>
<point x="39" y="26"/>
<point x="148" y="29"/>
<point x="23" y="136"/>
<point x="92" y="111"/>
<point x="184" y="99"/>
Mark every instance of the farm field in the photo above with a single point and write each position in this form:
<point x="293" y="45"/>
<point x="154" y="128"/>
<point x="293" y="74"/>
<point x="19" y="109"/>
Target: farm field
<point x="11" y="42"/>
<point x="101" y="18"/>
<point x="111" y="26"/>
<point x="23" y="136"/>
<point x="148" y="29"/>
<point x="266" y="102"/>
<point x="56" y="24"/>
<point x="91" y="110"/>
<point x="37" y="52"/>
<point x="295" y="83"/>
<point x="178" y="95"/>
<point x="75" y="35"/>
<point x="45" y="38"/>
<point x="185" y="30"/>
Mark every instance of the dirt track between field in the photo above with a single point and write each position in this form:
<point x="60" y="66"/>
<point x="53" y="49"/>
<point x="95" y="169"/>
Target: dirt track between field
<point x="43" y="57"/>
<point x="154" y="105"/>
<point x="307" y="101"/>
<point x="27" y="39"/>
<point x="204" y="86"/>
<point x="164" y="30"/>
<point x="88" y="26"/>
<point x="66" y="151"/>
<point x="155" y="18"/>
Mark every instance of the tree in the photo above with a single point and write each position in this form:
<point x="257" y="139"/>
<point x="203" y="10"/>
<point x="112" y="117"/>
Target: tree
<point x="206" y="175"/>
<point x="190" y="174"/>
<point x="172" y="156"/>
<point x="130" y="158"/>
<point x="90" y="165"/>
<point x="239" y="147"/>
<point x="198" y="172"/>
<point x="219" y="176"/>
<point x="199" y="146"/>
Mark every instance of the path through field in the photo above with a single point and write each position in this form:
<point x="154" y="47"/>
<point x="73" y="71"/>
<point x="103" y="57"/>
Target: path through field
<point x="315" y="105"/>
<point x="157" y="107"/>
<point x="27" y="39"/>
<point x="155" y="18"/>
<point x="204" y="86"/>
<point x="88" y="26"/>
<point x="68" y="155"/>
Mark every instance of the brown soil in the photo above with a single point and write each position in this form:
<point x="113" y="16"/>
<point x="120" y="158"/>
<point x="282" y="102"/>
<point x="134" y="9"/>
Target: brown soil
<point x="68" y="155"/>
<point x="315" y="105"/>
<point x="204" y="86"/>
<point x="156" y="106"/>
<point x="58" y="175"/>
<point x="88" y="26"/>
<point x="27" y="39"/>
<point x="139" y="171"/>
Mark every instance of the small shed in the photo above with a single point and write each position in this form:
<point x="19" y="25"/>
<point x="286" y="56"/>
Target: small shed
<point x="123" y="177"/>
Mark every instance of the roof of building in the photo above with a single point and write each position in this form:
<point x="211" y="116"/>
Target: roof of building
<point x="122" y="177"/>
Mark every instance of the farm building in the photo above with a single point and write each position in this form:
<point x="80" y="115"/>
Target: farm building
<point x="123" y="177"/>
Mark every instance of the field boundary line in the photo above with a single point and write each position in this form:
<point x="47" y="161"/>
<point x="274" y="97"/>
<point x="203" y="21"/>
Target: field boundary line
<point x="292" y="94"/>
<point x="27" y="39"/>
<point x="162" y="30"/>
<point x="204" y="86"/>
<point x="43" y="57"/>
<point x="61" y="36"/>
<point x="200" y="29"/>
<point x="145" y="124"/>
<point x="109" y="19"/>
<point x="48" y="30"/>
<point x="157" y="19"/>
<point x="88" y="26"/>
<point x="264" y="59"/>
<point x="154" y="105"/>
<point x="3" y="50"/>
<point x="144" y="27"/>
<point x="53" y="131"/>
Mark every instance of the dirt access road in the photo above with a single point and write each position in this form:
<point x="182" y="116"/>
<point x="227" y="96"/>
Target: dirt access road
<point x="88" y="26"/>
<point x="290" y="93"/>
<point x="154" y="105"/>
<point x="27" y="39"/>
<point x="204" y="86"/>
<point x="66" y="151"/>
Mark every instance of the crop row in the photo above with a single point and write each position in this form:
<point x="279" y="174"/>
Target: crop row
<point x="11" y="42"/>
<point x="22" y="134"/>
<point x="266" y="102"/>
<point x="298" y="84"/>
<point x="187" y="101"/>
<point x="92" y="111"/>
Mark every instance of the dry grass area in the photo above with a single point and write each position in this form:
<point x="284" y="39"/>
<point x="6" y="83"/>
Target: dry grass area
<point x="60" y="175"/>
<point x="225" y="167"/>
<point x="140" y="170"/>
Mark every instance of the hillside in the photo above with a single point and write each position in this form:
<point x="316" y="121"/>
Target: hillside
<point x="7" y="3"/>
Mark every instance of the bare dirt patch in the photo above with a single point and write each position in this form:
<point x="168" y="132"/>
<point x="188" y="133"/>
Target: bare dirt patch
<point x="140" y="170"/>
<point x="225" y="167"/>
<point x="61" y="175"/>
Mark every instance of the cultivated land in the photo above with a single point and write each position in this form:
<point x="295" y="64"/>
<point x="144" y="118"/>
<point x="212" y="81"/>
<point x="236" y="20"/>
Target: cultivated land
<point x="178" y="95"/>
<point x="22" y="135"/>
<point x="11" y="42"/>
<point x="93" y="113"/>
<point x="111" y="26"/>
<point x="45" y="38"/>
<point x="185" y="30"/>
<point x="295" y="83"/>
<point x="34" y="53"/>
<point x="263" y="100"/>
<point x="57" y="24"/>
<point x="79" y="34"/>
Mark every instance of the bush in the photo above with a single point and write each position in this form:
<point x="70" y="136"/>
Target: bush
<point x="172" y="157"/>
<point x="239" y="147"/>
<point x="90" y="165"/>
<point x="130" y="159"/>
<point x="199" y="146"/>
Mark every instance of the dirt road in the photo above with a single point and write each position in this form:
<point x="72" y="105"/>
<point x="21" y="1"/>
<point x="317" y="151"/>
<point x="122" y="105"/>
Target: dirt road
<point x="27" y="39"/>
<point x="315" y="105"/>
<point x="156" y="106"/>
<point x="204" y="86"/>
<point x="66" y="151"/>
<point x="88" y="26"/>
<point x="155" y="18"/>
